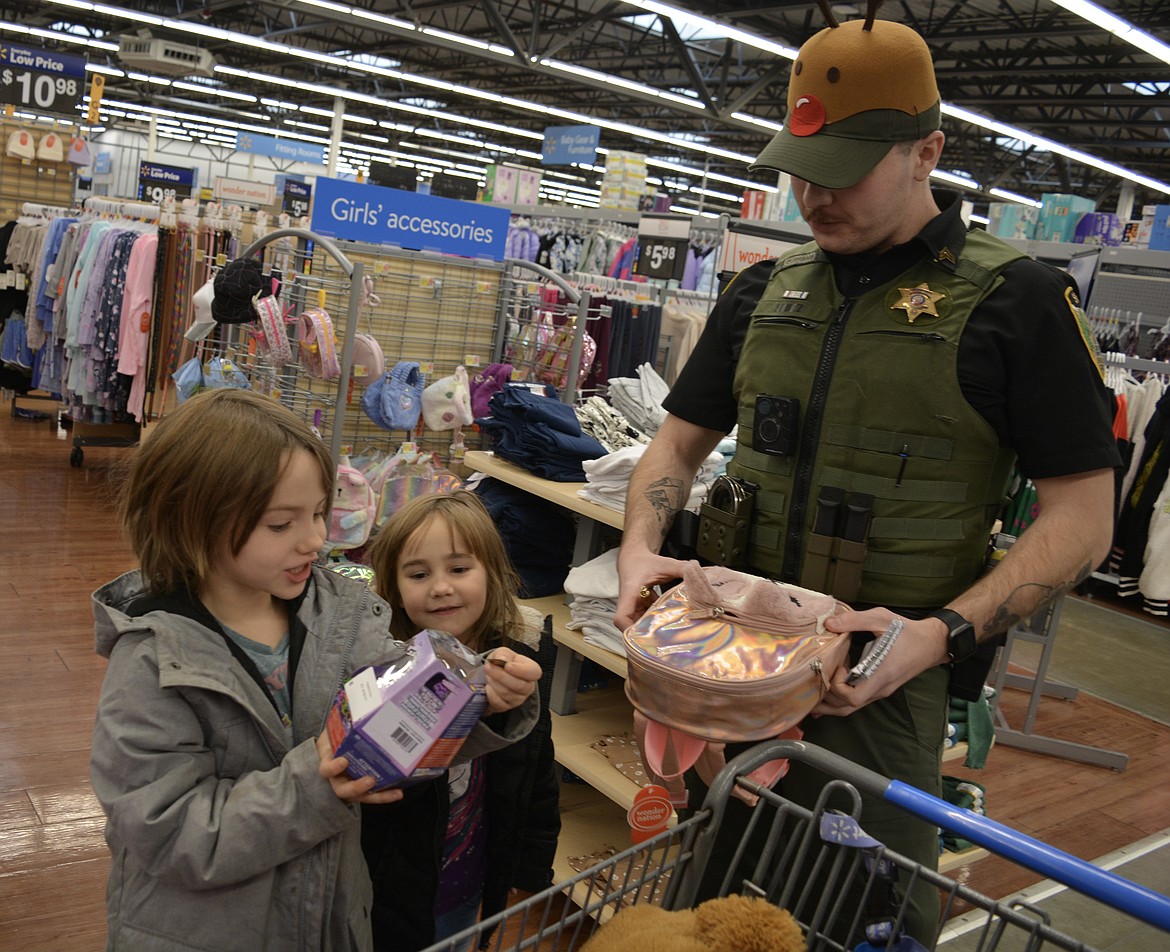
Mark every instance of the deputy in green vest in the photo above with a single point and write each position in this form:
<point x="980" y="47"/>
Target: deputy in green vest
<point x="884" y="379"/>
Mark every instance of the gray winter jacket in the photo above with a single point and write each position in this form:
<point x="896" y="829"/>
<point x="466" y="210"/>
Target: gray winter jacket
<point x="222" y="837"/>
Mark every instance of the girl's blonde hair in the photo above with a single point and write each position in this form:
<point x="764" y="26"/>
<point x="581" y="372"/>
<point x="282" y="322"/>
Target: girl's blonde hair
<point x="205" y="474"/>
<point x="465" y="515"/>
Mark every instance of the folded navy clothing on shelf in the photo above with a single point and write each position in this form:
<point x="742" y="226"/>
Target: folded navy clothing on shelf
<point x="540" y="434"/>
<point x="538" y="535"/>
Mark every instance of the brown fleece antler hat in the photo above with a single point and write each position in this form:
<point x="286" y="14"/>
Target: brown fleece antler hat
<point x="856" y="89"/>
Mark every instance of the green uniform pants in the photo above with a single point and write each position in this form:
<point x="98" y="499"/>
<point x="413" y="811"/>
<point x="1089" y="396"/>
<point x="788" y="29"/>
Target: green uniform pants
<point x="899" y="737"/>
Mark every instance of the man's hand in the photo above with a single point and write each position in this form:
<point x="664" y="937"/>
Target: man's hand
<point x="638" y="570"/>
<point x="921" y="645"/>
<point x="344" y="788"/>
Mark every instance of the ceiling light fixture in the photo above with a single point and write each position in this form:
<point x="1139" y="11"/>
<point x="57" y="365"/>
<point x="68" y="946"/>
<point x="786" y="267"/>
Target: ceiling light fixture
<point x="1118" y="27"/>
<point x="1013" y="197"/>
<point x="1003" y="129"/>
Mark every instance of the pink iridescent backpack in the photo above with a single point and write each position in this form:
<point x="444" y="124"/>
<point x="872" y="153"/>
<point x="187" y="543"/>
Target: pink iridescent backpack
<point x="723" y="657"/>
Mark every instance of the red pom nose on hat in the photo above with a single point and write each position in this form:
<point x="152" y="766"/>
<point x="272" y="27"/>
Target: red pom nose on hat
<point x="853" y="93"/>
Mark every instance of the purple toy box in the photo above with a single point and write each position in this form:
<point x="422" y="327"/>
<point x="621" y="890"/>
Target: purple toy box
<point x="404" y="723"/>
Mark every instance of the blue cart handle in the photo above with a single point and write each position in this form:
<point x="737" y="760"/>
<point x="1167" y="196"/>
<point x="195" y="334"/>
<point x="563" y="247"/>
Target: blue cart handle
<point x="1084" y="877"/>
<point x="1138" y="901"/>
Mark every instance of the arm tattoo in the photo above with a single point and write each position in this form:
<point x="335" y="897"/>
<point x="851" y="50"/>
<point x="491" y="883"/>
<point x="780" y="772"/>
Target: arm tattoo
<point x="665" y="497"/>
<point x="1037" y="599"/>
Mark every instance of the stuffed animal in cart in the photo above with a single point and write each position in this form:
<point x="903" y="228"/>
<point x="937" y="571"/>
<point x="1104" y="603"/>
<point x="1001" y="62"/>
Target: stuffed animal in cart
<point x="729" y="924"/>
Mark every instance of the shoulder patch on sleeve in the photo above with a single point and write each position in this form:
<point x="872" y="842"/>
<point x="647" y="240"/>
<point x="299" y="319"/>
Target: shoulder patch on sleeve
<point x="1086" y="332"/>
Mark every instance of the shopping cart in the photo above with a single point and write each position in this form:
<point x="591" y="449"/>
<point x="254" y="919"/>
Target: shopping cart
<point x="798" y="848"/>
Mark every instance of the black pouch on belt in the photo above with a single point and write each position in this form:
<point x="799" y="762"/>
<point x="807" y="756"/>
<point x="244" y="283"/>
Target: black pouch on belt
<point x="835" y="553"/>
<point x="725" y="520"/>
<point x="820" y="555"/>
<point x="852" y="547"/>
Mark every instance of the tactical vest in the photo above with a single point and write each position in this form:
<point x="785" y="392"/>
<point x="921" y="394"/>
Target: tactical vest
<point x="881" y="415"/>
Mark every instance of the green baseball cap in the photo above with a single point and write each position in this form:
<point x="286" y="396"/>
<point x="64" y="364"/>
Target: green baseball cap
<point x="855" y="90"/>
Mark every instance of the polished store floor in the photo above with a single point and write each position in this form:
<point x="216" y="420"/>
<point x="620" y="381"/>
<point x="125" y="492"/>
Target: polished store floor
<point x="59" y="542"/>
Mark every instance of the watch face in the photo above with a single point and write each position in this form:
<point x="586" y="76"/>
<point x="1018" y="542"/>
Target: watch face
<point x="961" y="643"/>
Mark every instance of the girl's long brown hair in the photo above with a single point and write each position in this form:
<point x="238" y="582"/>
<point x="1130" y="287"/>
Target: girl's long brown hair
<point x="464" y="514"/>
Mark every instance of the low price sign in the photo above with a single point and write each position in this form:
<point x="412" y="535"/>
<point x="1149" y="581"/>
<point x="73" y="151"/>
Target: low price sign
<point x="41" y="80"/>
<point x="662" y="246"/>
<point x="156" y="182"/>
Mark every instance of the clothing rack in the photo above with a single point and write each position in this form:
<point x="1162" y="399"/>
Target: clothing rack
<point x="1041" y="630"/>
<point x="142" y="211"/>
<point x="1144" y="364"/>
<point x="517" y="292"/>
<point x="45" y="211"/>
<point x="685" y="296"/>
<point x="603" y="284"/>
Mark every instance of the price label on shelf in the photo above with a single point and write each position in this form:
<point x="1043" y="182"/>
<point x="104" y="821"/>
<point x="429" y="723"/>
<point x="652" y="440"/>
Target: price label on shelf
<point x="41" y="80"/>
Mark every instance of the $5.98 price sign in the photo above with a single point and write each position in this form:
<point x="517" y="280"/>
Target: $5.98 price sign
<point x="661" y="257"/>
<point x="662" y="247"/>
<point x="41" y="80"/>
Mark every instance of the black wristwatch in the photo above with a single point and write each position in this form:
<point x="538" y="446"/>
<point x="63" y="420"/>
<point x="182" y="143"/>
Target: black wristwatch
<point x="961" y="640"/>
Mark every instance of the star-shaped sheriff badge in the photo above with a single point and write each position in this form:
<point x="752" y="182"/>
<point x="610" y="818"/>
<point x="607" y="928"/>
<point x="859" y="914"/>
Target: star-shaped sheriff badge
<point x="918" y="301"/>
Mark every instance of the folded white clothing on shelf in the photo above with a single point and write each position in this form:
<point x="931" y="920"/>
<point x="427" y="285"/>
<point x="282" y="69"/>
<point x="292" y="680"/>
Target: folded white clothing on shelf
<point x="639" y="399"/>
<point x="607" y="478"/>
<point x="597" y="578"/>
<point x="607" y="637"/>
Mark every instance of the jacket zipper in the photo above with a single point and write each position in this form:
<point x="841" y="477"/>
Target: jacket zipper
<point x="930" y="337"/>
<point x="810" y="436"/>
<point x="307" y="872"/>
<point x="788" y="322"/>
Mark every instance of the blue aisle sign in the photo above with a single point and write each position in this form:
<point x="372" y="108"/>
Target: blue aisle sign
<point x="564" y="145"/>
<point x="40" y="79"/>
<point x="257" y="144"/>
<point x="391" y="216"/>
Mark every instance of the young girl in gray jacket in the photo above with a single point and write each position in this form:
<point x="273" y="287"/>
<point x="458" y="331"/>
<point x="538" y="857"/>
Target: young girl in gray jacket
<point x="230" y="823"/>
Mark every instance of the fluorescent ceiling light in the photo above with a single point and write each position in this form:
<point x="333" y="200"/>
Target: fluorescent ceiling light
<point x="213" y="91"/>
<point x="693" y="23"/>
<point x="1118" y="27"/>
<point x="620" y="82"/>
<point x="1077" y="156"/>
<point x="961" y="179"/>
<point x="1013" y="197"/>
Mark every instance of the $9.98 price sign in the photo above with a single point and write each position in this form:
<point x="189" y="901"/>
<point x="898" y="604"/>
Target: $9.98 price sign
<point x="41" y="80"/>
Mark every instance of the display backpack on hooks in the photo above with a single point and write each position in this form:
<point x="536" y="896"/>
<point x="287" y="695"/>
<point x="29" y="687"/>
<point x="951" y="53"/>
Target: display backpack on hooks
<point x="394" y="400"/>
<point x="369" y="363"/>
<point x="352" y="517"/>
<point x="411" y="478"/>
<point x="318" y="345"/>
<point x="446" y="403"/>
